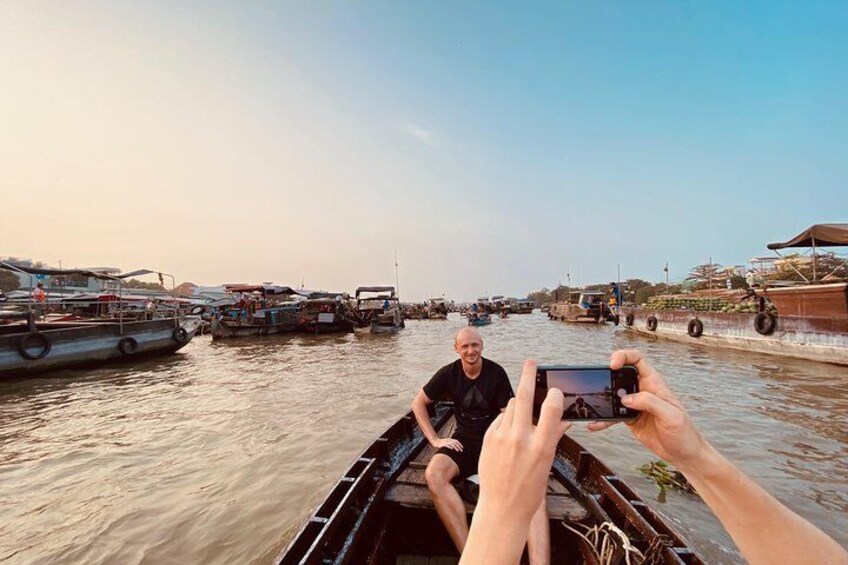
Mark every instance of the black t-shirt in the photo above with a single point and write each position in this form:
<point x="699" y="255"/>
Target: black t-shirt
<point x="477" y="401"/>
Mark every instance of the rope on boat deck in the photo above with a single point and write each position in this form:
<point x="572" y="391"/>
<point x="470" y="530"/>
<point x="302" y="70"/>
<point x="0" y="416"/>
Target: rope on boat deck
<point x="608" y="543"/>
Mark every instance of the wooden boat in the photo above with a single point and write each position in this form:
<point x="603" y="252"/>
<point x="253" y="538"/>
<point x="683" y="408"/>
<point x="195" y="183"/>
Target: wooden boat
<point x="381" y="512"/>
<point x="806" y="321"/>
<point x="267" y="310"/>
<point x="522" y="306"/>
<point x="29" y="344"/>
<point x="437" y="309"/>
<point x="582" y="307"/>
<point x="378" y="310"/>
<point x="35" y="347"/>
<point x="327" y="312"/>
<point x="479" y="320"/>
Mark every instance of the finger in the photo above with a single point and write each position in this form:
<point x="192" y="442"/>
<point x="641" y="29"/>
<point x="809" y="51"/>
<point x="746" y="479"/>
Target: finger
<point x="564" y="426"/>
<point x="652" y="404"/>
<point x="649" y="378"/>
<point x="550" y="417"/>
<point x="508" y="414"/>
<point x="524" y="399"/>
<point x="498" y="421"/>
<point x="598" y="426"/>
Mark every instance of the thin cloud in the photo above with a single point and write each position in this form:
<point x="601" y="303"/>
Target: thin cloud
<point x="421" y="134"/>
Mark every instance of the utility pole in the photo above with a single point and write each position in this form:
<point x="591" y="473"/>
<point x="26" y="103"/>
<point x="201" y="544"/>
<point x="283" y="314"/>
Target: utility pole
<point x="666" y="275"/>
<point x="397" y="280"/>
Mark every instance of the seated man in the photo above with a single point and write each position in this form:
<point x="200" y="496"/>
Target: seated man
<point x="581" y="409"/>
<point x="480" y="390"/>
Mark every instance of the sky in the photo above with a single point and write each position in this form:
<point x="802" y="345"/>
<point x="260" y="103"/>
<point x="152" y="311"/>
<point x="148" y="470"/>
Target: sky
<point x="494" y="147"/>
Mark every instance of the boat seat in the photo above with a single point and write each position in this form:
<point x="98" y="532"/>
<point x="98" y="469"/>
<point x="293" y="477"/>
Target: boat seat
<point x="410" y="489"/>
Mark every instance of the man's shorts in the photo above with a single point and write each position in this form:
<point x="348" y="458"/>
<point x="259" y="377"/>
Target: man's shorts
<point x="468" y="458"/>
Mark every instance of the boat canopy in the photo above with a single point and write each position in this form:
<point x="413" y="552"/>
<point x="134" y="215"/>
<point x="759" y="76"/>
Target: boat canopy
<point x="362" y="289"/>
<point x="322" y="294"/>
<point x="819" y="235"/>
<point x="59" y="272"/>
<point x="84" y="272"/>
<point x="263" y="288"/>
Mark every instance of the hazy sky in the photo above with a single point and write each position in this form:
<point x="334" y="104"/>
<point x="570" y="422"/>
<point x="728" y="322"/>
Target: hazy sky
<point x="494" y="146"/>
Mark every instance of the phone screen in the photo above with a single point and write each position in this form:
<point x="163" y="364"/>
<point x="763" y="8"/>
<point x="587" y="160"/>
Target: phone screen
<point x="591" y="393"/>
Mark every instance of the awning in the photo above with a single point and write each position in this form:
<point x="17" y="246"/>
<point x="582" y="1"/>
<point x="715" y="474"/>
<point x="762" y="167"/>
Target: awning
<point x="822" y="235"/>
<point x="54" y="272"/>
<point x="263" y="288"/>
<point x="362" y="289"/>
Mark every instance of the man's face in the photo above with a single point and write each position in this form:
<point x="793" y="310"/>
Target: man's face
<point x="469" y="346"/>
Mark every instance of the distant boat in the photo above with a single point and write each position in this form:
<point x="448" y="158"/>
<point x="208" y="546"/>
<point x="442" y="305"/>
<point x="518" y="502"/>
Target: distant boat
<point x="378" y="310"/>
<point x="263" y="310"/>
<point x="479" y="320"/>
<point x="583" y="307"/>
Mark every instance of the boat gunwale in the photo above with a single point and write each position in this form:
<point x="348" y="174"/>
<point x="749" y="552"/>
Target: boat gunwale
<point x="588" y="480"/>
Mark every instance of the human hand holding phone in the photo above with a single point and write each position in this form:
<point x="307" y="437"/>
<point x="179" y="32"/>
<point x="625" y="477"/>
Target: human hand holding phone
<point x="664" y="426"/>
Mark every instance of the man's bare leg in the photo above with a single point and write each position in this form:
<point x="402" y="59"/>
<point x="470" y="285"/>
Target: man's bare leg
<point x="539" y="538"/>
<point x="440" y="472"/>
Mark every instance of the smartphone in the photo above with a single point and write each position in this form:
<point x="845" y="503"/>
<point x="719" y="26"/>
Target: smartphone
<point x="591" y="393"/>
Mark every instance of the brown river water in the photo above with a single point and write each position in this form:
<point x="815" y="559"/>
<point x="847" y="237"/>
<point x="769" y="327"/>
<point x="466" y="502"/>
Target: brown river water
<point x="216" y="454"/>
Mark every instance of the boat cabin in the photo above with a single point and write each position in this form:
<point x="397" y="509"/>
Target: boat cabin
<point x="824" y="294"/>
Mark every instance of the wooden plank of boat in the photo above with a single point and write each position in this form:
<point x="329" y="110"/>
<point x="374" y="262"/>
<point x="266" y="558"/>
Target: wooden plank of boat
<point x="381" y="511"/>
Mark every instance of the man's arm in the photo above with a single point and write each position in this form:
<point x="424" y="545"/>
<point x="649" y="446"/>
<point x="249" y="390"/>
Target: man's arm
<point x="419" y="408"/>
<point x="765" y="530"/>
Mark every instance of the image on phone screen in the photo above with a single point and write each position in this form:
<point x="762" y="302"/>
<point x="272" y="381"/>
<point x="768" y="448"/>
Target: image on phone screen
<point x="590" y="393"/>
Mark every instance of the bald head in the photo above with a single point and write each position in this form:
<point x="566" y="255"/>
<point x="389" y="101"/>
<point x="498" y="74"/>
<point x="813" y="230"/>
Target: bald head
<point x="467" y="333"/>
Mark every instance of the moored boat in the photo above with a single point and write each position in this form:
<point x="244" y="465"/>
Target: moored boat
<point x="30" y="344"/>
<point x="582" y="307"/>
<point x="521" y="306"/>
<point x="381" y="512"/>
<point x="805" y="321"/>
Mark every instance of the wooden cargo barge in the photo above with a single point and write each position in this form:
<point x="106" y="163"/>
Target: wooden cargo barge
<point x="811" y="320"/>
<point x="381" y="512"/>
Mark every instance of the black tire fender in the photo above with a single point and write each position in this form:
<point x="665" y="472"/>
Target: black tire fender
<point x="765" y="323"/>
<point x="34" y="340"/>
<point x="652" y="323"/>
<point x="180" y="335"/>
<point x="695" y="327"/>
<point x="197" y="310"/>
<point x="629" y="319"/>
<point x="128" y="345"/>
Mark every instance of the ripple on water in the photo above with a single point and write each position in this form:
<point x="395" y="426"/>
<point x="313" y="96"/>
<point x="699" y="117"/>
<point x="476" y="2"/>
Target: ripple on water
<point x="219" y="452"/>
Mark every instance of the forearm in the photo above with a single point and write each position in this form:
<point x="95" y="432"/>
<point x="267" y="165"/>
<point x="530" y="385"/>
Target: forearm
<point x="765" y="530"/>
<point x="423" y="419"/>
<point x="495" y="538"/>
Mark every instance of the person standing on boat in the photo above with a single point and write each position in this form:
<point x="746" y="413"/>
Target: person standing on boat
<point x="39" y="297"/>
<point x="480" y="390"/>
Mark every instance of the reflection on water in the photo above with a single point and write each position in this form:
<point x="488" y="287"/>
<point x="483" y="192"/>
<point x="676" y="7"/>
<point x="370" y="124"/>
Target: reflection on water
<point x="217" y="453"/>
